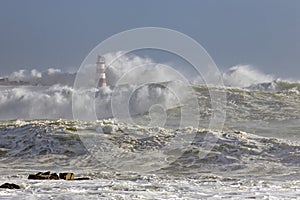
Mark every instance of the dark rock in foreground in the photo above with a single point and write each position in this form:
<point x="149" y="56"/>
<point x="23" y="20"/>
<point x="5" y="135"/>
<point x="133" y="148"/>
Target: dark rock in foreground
<point x="10" y="186"/>
<point x="66" y="176"/>
<point x="53" y="176"/>
<point x="82" y="179"/>
<point x="44" y="176"/>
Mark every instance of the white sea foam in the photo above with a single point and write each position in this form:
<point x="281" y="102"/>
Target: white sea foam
<point x="35" y="77"/>
<point x="136" y="69"/>
<point x="245" y="76"/>
<point x="118" y="66"/>
<point x="48" y="94"/>
<point x="28" y="102"/>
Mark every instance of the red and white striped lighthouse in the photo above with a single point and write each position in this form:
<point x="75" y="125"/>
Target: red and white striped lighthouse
<point x="101" y="70"/>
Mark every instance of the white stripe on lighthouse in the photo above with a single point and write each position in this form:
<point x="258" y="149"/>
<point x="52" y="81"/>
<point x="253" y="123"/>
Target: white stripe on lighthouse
<point x="101" y="68"/>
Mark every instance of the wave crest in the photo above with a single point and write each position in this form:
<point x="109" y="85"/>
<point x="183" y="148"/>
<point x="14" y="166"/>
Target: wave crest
<point x="245" y="76"/>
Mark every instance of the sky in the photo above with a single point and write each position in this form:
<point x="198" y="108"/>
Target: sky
<point x="40" y="34"/>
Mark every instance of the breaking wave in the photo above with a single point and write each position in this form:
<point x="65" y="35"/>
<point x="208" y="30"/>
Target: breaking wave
<point x="240" y="76"/>
<point x="56" y="142"/>
<point x="31" y="94"/>
<point x="34" y="77"/>
<point x="43" y="102"/>
<point x="244" y="76"/>
<point x="260" y="109"/>
<point x="247" y="77"/>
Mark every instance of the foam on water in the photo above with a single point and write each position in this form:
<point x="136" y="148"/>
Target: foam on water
<point x="212" y="187"/>
<point x="40" y="141"/>
<point x="253" y="155"/>
<point x="244" y="76"/>
<point x="241" y="165"/>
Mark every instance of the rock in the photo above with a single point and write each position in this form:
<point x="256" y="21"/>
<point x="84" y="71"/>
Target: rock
<point x="45" y="173"/>
<point x="44" y="176"/>
<point x="53" y="176"/>
<point x="82" y="179"/>
<point x="32" y="176"/>
<point x="66" y="176"/>
<point x="10" y="186"/>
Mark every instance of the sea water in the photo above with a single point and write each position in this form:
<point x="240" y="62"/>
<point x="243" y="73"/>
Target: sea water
<point x="256" y="154"/>
<point x="240" y="165"/>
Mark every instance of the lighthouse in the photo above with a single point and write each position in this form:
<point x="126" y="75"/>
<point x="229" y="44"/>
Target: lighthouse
<point x="101" y="70"/>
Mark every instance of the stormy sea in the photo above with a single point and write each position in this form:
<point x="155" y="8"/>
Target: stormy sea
<point x="164" y="146"/>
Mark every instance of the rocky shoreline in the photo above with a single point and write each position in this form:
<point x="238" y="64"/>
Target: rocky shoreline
<point x="47" y="176"/>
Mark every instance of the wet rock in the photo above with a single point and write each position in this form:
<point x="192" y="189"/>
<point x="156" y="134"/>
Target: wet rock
<point x="82" y="179"/>
<point x="53" y="176"/>
<point x="43" y="176"/>
<point x="10" y="186"/>
<point x="66" y="176"/>
<point x="45" y="173"/>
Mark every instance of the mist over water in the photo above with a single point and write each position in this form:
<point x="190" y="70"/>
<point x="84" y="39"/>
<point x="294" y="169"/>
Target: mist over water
<point x="245" y="76"/>
<point x="259" y="138"/>
<point x="45" y="95"/>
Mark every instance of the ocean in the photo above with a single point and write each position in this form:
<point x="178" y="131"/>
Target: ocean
<point x="155" y="141"/>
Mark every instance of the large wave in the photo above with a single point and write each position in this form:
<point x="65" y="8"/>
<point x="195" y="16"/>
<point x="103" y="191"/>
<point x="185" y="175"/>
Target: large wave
<point x="35" y="77"/>
<point x="32" y="94"/>
<point x="118" y="67"/>
<point x="240" y="76"/>
<point x="248" y="77"/>
<point x="53" y="142"/>
<point x="245" y="76"/>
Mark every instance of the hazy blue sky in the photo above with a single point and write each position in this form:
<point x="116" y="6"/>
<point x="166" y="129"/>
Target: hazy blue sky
<point x="59" y="33"/>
